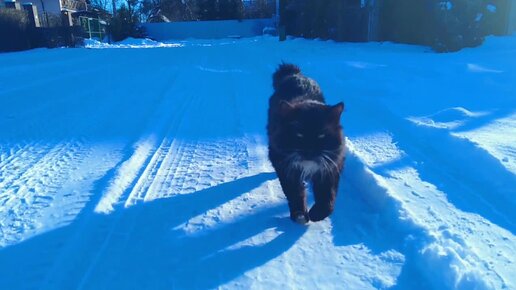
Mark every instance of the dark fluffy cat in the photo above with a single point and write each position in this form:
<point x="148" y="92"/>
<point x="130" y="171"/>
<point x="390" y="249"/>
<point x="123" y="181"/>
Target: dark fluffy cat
<point x="306" y="143"/>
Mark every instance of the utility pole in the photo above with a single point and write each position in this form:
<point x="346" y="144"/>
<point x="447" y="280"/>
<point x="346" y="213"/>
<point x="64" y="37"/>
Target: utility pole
<point x="280" y="10"/>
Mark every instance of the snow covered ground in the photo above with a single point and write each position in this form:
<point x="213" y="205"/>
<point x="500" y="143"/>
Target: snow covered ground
<point x="125" y="168"/>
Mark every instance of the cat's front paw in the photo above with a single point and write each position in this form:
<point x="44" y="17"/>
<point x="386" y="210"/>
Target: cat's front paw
<point x="300" y="218"/>
<point x="318" y="212"/>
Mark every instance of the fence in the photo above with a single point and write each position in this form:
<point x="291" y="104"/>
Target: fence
<point x="207" y="29"/>
<point x="356" y="24"/>
<point x="56" y="36"/>
<point x="326" y="20"/>
<point x="512" y="18"/>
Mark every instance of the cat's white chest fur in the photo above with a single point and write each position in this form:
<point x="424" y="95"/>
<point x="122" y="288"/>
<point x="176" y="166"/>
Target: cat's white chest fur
<point x="308" y="168"/>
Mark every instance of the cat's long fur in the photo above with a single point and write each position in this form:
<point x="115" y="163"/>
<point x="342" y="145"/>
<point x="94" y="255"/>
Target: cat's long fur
<point x="306" y="143"/>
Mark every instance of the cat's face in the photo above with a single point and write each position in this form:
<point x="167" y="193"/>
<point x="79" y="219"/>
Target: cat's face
<point x="310" y="130"/>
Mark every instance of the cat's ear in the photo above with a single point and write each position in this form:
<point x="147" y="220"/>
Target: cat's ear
<point x="336" y="111"/>
<point x="285" y="108"/>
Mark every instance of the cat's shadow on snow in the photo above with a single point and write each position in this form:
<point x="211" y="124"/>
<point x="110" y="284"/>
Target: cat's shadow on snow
<point x="142" y="246"/>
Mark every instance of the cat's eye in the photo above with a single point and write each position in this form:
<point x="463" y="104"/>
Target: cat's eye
<point x="320" y="136"/>
<point x="299" y="135"/>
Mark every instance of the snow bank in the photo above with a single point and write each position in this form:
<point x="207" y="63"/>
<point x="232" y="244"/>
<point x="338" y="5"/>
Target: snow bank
<point x="129" y="43"/>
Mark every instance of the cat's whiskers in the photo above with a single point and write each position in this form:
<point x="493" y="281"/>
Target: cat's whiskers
<point x="291" y="162"/>
<point x="305" y="173"/>
<point x="326" y="157"/>
<point x="331" y="153"/>
<point x="328" y="163"/>
<point x="323" y="165"/>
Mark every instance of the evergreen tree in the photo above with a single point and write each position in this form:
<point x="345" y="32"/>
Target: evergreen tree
<point x="207" y="9"/>
<point x="261" y="9"/>
<point x="230" y="9"/>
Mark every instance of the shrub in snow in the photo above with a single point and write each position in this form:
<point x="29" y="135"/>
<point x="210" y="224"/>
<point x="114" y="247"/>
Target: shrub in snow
<point x="260" y="9"/>
<point x="443" y="25"/>
<point x="468" y="22"/>
<point x="494" y="16"/>
<point x="231" y="9"/>
<point x="125" y="24"/>
<point x="218" y="10"/>
<point x="457" y="27"/>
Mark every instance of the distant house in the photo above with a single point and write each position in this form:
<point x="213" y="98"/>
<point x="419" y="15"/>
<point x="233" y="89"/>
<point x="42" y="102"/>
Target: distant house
<point x="49" y="10"/>
<point x="56" y="6"/>
<point x="68" y="7"/>
<point x="52" y="13"/>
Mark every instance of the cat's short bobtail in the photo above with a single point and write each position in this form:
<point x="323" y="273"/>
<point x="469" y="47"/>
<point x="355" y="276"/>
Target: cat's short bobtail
<point x="306" y="143"/>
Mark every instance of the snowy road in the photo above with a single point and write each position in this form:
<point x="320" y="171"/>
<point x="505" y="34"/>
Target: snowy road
<point x="127" y="168"/>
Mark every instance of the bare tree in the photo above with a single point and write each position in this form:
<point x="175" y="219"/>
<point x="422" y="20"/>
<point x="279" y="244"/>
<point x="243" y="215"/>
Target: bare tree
<point x="100" y="4"/>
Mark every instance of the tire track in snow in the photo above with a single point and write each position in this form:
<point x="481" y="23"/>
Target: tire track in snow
<point x="89" y="235"/>
<point x="12" y="152"/>
<point x="128" y="174"/>
<point x="58" y="74"/>
<point x="93" y="234"/>
<point x="180" y="153"/>
<point x="35" y="188"/>
<point x="159" y="158"/>
<point x="204" y="164"/>
<point x="188" y="163"/>
<point x="19" y="162"/>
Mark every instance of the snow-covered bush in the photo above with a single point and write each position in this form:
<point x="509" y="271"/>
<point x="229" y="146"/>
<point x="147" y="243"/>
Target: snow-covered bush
<point x="445" y="25"/>
<point x="457" y="25"/>
<point x="125" y="24"/>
